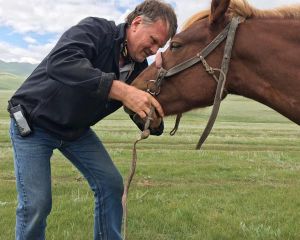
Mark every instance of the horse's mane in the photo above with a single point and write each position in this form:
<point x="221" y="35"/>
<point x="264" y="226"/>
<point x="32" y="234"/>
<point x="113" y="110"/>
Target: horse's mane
<point x="244" y="9"/>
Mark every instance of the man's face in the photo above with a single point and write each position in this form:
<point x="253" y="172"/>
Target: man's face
<point x="145" y="39"/>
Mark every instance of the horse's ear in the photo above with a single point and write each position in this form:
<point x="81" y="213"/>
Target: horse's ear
<point x="218" y="10"/>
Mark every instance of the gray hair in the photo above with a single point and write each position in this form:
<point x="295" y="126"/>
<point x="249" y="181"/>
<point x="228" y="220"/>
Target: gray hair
<point x="153" y="10"/>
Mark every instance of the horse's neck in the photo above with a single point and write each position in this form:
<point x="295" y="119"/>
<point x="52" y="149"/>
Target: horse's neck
<point x="266" y="67"/>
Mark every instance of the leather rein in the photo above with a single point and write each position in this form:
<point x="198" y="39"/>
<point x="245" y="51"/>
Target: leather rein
<point x="229" y="33"/>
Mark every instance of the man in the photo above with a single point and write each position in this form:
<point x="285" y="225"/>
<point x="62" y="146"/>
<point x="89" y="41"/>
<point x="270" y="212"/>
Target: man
<point x="83" y="79"/>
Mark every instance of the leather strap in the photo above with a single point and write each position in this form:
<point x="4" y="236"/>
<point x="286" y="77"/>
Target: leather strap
<point x="222" y="80"/>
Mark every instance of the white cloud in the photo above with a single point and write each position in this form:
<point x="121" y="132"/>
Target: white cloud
<point x="29" y="40"/>
<point x="52" y="16"/>
<point x="186" y="8"/>
<point x="32" y="54"/>
<point x="43" y="17"/>
<point x="272" y="4"/>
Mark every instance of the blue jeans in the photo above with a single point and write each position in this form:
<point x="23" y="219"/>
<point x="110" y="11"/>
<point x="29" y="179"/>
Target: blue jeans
<point x="33" y="179"/>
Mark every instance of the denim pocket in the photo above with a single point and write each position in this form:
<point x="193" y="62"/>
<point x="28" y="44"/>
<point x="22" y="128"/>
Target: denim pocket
<point x="13" y="128"/>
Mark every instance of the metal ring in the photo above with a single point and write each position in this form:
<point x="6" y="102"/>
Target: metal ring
<point x="153" y="91"/>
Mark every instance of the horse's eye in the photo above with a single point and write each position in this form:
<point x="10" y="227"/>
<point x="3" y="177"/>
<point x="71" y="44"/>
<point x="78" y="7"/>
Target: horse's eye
<point x="174" y="46"/>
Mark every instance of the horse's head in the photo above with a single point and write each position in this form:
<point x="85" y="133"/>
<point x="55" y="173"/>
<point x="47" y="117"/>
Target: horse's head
<point x="265" y="71"/>
<point x="192" y="87"/>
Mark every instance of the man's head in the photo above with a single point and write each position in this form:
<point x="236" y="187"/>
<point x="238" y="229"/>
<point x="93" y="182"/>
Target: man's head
<point x="150" y="26"/>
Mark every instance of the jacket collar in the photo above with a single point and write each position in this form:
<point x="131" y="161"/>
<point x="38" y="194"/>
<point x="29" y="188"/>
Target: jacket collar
<point x="120" y="37"/>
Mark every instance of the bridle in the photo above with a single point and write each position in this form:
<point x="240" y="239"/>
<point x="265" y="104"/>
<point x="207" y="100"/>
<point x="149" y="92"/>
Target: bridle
<point x="229" y="33"/>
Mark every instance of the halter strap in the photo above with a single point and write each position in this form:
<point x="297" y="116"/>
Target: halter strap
<point x="222" y="79"/>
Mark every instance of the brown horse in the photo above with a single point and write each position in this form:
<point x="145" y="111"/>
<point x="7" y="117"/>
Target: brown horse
<point x="264" y="65"/>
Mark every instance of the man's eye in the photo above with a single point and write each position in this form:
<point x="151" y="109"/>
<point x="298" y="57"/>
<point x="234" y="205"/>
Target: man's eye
<point x="174" y="46"/>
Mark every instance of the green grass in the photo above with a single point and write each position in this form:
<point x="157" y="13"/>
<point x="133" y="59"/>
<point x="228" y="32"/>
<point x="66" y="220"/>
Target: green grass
<point x="10" y="81"/>
<point x="243" y="184"/>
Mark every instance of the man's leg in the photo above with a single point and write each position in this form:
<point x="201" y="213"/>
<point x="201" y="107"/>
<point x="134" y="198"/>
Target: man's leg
<point x="90" y="157"/>
<point x="33" y="179"/>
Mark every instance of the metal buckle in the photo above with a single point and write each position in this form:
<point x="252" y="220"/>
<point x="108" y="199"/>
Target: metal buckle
<point x="152" y="88"/>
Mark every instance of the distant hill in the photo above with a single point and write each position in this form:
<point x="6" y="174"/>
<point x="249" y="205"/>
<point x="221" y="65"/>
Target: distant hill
<point x="17" y="68"/>
<point x="12" y="74"/>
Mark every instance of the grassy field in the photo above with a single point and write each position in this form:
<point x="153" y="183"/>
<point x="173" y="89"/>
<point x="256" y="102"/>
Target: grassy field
<point x="244" y="184"/>
<point x="10" y="81"/>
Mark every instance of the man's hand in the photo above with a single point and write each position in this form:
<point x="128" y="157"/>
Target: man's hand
<point x="135" y="99"/>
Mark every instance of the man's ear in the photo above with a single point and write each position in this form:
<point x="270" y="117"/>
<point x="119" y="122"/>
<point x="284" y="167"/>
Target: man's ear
<point x="218" y="10"/>
<point x="136" y="21"/>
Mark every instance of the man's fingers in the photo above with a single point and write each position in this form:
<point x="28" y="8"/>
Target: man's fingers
<point x="147" y="111"/>
<point x="142" y="114"/>
<point x="140" y="102"/>
<point x="157" y="106"/>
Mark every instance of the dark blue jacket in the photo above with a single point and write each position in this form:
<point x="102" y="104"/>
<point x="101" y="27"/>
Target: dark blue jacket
<point x="68" y="91"/>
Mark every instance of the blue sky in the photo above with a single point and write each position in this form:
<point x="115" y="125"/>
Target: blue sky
<point x="29" y="29"/>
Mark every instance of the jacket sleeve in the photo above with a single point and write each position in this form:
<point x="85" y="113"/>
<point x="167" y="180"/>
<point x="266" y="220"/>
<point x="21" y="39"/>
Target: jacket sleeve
<point x="70" y="60"/>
